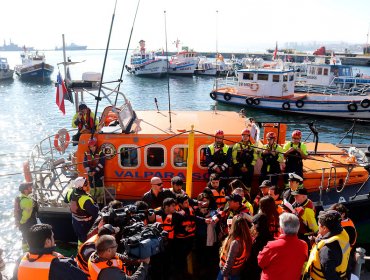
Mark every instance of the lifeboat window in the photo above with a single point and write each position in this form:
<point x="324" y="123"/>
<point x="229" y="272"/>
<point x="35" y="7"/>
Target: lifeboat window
<point x="202" y="157"/>
<point x="262" y="77"/>
<point x="319" y="71"/>
<point x="291" y="78"/>
<point x="276" y="78"/>
<point x="326" y="71"/>
<point x="248" y="76"/>
<point x="155" y="156"/>
<point x="128" y="156"/>
<point x="180" y="156"/>
<point x="285" y="77"/>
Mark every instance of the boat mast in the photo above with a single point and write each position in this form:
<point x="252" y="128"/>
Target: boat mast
<point x="168" y="77"/>
<point x="216" y="46"/>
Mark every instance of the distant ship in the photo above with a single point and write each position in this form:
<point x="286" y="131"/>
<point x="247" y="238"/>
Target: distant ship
<point x="72" y="47"/>
<point x="13" y="47"/>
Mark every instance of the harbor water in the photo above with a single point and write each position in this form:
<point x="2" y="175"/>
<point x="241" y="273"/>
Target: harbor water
<point x="29" y="114"/>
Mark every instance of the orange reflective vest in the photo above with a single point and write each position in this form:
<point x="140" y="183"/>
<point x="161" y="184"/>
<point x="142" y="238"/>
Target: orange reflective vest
<point x="166" y="224"/>
<point x="348" y="223"/>
<point x="188" y="225"/>
<point x="219" y="197"/>
<point x="36" y="266"/>
<point x="83" y="254"/>
<point x="238" y="261"/>
<point x="96" y="266"/>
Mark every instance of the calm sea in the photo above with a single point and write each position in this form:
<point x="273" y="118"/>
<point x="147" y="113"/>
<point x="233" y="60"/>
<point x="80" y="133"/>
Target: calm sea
<point x="29" y="114"/>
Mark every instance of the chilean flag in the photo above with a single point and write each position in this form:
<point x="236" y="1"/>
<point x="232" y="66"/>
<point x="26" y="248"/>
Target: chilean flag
<point x="61" y="91"/>
<point x="275" y="52"/>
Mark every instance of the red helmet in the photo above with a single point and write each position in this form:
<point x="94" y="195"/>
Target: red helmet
<point x="246" y="131"/>
<point x="219" y="133"/>
<point x="271" y="135"/>
<point x="297" y="134"/>
<point x="92" y="142"/>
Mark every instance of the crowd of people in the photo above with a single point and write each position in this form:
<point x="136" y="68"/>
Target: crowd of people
<point x="229" y="231"/>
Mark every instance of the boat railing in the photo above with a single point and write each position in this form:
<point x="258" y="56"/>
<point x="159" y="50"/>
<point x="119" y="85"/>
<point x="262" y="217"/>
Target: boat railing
<point x="225" y="82"/>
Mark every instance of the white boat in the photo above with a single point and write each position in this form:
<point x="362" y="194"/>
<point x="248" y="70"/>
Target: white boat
<point x="183" y="63"/>
<point x="274" y="89"/>
<point x="146" y="64"/>
<point x="5" y="71"/>
<point x="34" y="67"/>
<point x="217" y="67"/>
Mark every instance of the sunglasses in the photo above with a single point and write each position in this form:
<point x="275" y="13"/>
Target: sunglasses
<point x="159" y="184"/>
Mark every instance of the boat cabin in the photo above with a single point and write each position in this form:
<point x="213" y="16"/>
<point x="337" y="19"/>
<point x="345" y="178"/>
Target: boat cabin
<point x="266" y="82"/>
<point x="325" y="74"/>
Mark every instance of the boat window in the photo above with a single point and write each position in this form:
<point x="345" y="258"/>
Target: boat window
<point x="262" y="77"/>
<point x="276" y="78"/>
<point x="346" y="71"/>
<point x="248" y="76"/>
<point x="285" y="77"/>
<point x="319" y="71"/>
<point x="291" y="78"/>
<point x="202" y="156"/>
<point x="128" y="156"/>
<point x="312" y="70"/>
<point x="326" y="71"/>
<point x="154" y="156"/>
<point x="179" y="156"/>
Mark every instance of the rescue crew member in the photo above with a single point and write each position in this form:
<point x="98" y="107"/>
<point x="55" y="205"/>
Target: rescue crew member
<point x="264" y="191"/>
<point x="244" y="158"/>
<point x="84" y="121"/>
<point x="305" y="210"/>
<point x="25" y="210"/>
<point x="216" y="192"/>
<point x="272" y="159"/>
<point x="235" y="249"/>
<point x="176" y="185"/>
<point x="94" y="162"/>
<point x="294" y="153"/>
<point x="106" y="263"/>
<point x="274" y="193"/>
<point x="329" y="255"/>
<point x="218" y="157"/>
<point x="42" y="262"/>
<point x="156" y="195"/>
<point x="86" y="249"/>
<point x="83" y="209"/>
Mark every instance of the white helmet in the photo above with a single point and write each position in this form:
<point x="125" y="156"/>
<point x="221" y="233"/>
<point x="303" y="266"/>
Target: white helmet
<point x="79" y="182"/>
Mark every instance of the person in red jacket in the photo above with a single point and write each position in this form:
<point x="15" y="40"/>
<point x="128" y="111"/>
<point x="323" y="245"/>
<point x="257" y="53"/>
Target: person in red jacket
<point x="284" y="258"/>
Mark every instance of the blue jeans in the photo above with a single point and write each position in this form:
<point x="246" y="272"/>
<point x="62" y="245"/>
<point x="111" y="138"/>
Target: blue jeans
<point x="221" y="277"/>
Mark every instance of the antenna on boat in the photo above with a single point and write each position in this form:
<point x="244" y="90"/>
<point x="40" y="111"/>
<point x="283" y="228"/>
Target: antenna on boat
<point x="216" y="47"/>
<point x="168" y="76"/>
<point x="98" y="98"/>
<point x="128" y="46"/>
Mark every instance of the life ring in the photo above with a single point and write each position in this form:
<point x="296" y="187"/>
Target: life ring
<point x="227" y="96"/>
<point x="256" y="101"/>
<point x="299" y="103"/>
<point x="352" y="107"/>
<point x="365" y="103"/>
<point x="286" y="106"/>
<point x="249" y="101"/>
<point x="285" y="88"/>
<point x="61" y="140"/>
<point x="213" y="95"/>
<point x="254" y="86"/>
<point x="26" y="171"/>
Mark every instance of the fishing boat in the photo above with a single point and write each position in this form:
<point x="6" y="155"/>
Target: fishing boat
<point x="5" y="71"/>
<point x="33" y="67"/>
<point x="146" y="64"/>
<point x="184" y="63"/>
<point x="219" y="67"/>
<point x="273" y="88"/>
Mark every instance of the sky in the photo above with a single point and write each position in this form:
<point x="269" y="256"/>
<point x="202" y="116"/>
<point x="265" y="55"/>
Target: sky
<point x="202" y="25"/>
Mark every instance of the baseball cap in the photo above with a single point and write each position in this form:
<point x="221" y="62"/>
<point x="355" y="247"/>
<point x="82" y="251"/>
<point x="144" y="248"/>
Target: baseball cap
<point x="235" y="197"/>
<point x="108" y="229"/>
<point x="266" y="184"/>
<point x="295" y="177"/>
<point x="300" y="191"/>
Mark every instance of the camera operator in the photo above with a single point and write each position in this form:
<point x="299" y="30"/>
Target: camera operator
<point x="106" y="263"/>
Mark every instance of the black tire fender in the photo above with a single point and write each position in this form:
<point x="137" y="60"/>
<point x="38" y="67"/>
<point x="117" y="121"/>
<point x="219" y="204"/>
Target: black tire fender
<point x="286" y="106"/>
<point x="365" y="103"/>
<point x="249" y="101"/>
<point x="213" y="95"/>
<point x="256" y="101"/>
<point x="299" y="103"/>
<point x="227" y="96"/>
<point x="352" y="107"/>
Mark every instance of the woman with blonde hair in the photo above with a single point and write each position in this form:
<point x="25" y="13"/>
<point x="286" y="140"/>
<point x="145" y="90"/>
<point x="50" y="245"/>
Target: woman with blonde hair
<point x="235" y="250"/>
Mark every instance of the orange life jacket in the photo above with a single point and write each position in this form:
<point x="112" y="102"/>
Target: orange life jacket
<point x="188" y="225"/>
<point x="238" y="261"/>
<point x="348" y="223"/>
<point x="82" y="258"/>
<point x="93" y="159"/>
<point x="219" y="197"/>
<point x="96" y="266"/>
<point x="36" y="266"/>
<point x="166" y="224"/>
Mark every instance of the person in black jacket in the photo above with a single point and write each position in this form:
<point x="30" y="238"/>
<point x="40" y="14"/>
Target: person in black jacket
<point x="156" y="195"/>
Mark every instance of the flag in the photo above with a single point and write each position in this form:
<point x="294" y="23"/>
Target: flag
<point x="68" y="96"/>
<point x="275" y="52"/>
<point x="61" y="91"/>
